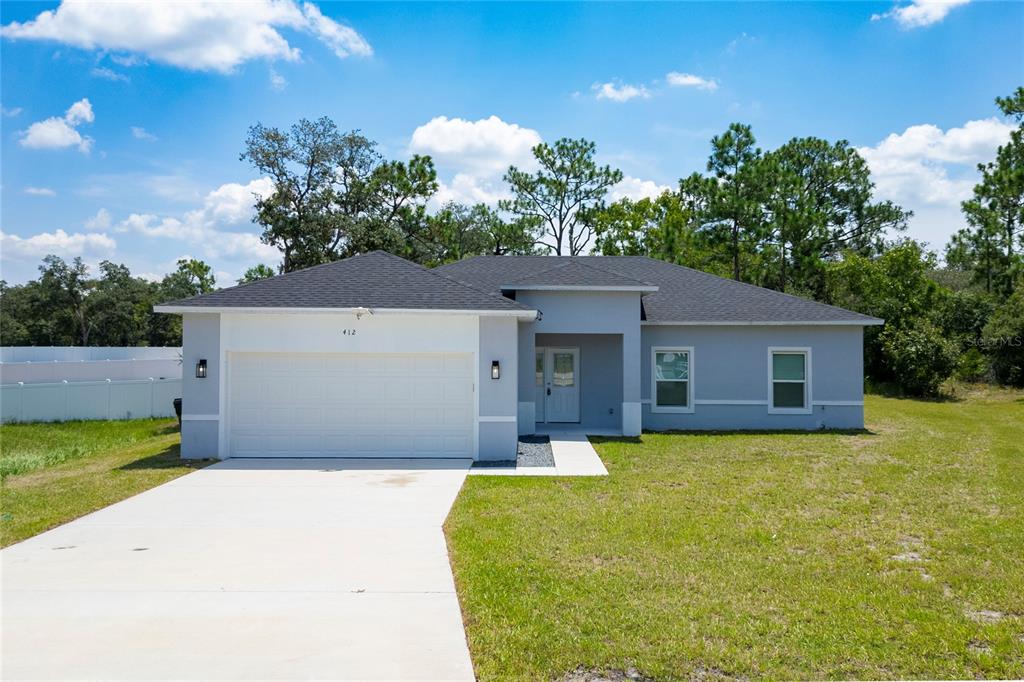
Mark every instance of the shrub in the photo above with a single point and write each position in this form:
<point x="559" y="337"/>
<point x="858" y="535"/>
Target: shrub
<point x="1003" y="340"/>
<point x="918" y="357"/>
<point x="973" y="366"/>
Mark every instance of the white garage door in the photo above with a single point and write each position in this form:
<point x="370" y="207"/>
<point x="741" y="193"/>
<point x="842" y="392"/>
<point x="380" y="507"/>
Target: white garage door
<point x="350" y="405"/>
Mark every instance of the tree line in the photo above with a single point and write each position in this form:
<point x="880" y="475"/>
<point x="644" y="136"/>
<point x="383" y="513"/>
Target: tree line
<point x="802" y="218"/>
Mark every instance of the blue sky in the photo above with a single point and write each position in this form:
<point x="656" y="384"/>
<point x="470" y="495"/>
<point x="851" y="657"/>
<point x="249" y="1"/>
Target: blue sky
<point x="122" y="124"/>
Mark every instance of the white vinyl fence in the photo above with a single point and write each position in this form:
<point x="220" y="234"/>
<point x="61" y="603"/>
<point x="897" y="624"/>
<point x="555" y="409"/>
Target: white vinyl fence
<point x="86" y="353"/>
<point x="129" y="399"/>
<point x="42" y="372"/>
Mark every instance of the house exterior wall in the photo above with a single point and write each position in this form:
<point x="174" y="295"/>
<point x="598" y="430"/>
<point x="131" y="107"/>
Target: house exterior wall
<point x="584" y="312"/>
<point x="217" y="336"/>
<point x="200" y="398"/>
<point x="498" y="433"/>
<point x="600" y="379"/>
<point x="731" y="381"/>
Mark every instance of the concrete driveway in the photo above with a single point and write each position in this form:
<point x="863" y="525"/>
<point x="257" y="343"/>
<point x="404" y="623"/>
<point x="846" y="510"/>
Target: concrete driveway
<point x="286" y="569"/>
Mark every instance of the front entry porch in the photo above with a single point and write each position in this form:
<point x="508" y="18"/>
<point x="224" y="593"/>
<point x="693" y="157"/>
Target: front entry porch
<point x="576" y="384"/>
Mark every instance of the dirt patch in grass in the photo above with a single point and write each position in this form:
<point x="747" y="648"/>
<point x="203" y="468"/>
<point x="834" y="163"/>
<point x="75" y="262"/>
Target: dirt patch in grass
<point x="585" y="674"/>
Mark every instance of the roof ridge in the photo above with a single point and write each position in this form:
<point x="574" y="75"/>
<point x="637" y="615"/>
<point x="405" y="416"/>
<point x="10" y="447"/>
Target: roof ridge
<point x="759" y="288"/>
<point x="573" y="260"/>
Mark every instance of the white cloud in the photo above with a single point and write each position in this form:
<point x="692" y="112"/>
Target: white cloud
<point x="343" y="40"/>
<point x="128" y="60"/>
<point x="689" y="80"/>
<point x="920" y="13"/>
<point x="636" y="189"/>
<point x="58" y="242"/>
<point x="202" y="36"/>
<point x="40" y="191"/>
<point x="99" y="222"/>
<point x="476" y="154"/>
<point x="469" y="189"/>
<point x="930" y="171"/>
<point x="80" y="112"/>
<point x="277" y="81"/>
<point x="620" y="92"/>
<point x="60" y="133"/>
<point x="229" y="205"/>
<point x="488" y="145"/>
<point x="140" y="133"/>
<point x="109" y="74"/>
<point x="10" y="112"/>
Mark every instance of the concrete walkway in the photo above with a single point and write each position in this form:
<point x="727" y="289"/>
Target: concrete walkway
<point x="573" y="455"/>
<point x="249" y="569"/>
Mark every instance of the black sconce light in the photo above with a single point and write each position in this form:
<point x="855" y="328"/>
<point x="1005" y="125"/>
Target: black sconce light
<point x="201" y="369"/>
<point x="495" y="370"/>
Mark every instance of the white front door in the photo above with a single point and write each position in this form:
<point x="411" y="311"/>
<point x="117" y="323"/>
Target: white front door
<point x="561" y="384"/>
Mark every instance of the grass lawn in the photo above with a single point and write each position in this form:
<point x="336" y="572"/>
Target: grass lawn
<point x="895" y="553"/>
<point x="53" y="473"/>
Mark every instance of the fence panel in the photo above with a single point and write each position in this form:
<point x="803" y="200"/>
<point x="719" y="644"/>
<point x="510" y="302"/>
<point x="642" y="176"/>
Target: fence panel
<point x="132" y="399"/>
<point x="88" y="370"/>
<point x="80" y="353"/>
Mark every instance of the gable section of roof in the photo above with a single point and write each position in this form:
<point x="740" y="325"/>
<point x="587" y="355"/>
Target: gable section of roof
<point x="575" y="274"/>
<point x="372" y="280"/>
<point x="687" y="295"/>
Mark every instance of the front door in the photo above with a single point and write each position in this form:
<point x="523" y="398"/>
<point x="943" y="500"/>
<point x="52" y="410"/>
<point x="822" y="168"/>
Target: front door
<point x="562" y="385"/>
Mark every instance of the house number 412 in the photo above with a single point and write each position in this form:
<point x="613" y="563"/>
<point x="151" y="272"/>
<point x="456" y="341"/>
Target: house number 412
<point x="348" y="332"/>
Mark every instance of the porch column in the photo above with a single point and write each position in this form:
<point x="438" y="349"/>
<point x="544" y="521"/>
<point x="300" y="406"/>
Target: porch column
<point x="631" y="412"/>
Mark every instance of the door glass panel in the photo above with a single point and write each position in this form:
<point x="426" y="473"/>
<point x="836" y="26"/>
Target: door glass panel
<point x="786" y="394"/>
<point x="539" y="368"/>
<point x="563" y="373"/>
<point x="672" y="393"/>
<point x="672" y="366"/>
<point x="788" y="366"/>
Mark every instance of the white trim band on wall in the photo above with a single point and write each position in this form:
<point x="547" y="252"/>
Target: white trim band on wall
<point x="498" y="418"/>
<point x="200" y="417"/>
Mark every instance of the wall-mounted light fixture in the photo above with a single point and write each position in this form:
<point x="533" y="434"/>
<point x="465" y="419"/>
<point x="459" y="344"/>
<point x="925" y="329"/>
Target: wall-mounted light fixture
<point x="495" y="370"/>
<point x="201" y="369"/>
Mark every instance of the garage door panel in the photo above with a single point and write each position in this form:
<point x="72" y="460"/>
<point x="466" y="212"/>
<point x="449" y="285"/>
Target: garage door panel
<point x="365" y="405"/>
<point x="457" y="392"/>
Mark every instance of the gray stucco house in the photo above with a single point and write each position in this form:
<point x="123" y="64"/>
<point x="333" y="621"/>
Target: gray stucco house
<point x="378" y="356"/>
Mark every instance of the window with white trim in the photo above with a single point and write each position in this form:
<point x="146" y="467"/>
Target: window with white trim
<point x="672" y="379"/>
<point x="789" y="380"/>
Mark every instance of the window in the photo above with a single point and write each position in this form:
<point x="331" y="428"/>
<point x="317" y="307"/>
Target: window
<point x="789" y="380"/>
<point x="672" y="379"/>
<point x="563" y="372"/>
<point x="539" y="367"/>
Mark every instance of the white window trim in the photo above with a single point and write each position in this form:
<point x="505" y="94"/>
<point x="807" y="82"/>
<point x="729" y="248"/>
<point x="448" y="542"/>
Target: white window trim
<point x="669" y="409"/>
<point x="808" y="407"/>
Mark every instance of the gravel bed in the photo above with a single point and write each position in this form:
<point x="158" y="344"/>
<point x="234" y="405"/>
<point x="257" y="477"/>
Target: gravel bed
<point x="534" y="451"/>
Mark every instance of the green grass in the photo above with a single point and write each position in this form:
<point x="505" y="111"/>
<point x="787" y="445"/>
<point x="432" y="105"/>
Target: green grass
<point x="785" y="556"/>
<point x="27" y="447"/>
<point x="58" y="472"/>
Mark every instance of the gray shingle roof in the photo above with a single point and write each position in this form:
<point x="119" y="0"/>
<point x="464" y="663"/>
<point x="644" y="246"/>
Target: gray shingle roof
<point x="372" y="280"/>
<point x="684" y="294"/>
<point x="574" y="272"/>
